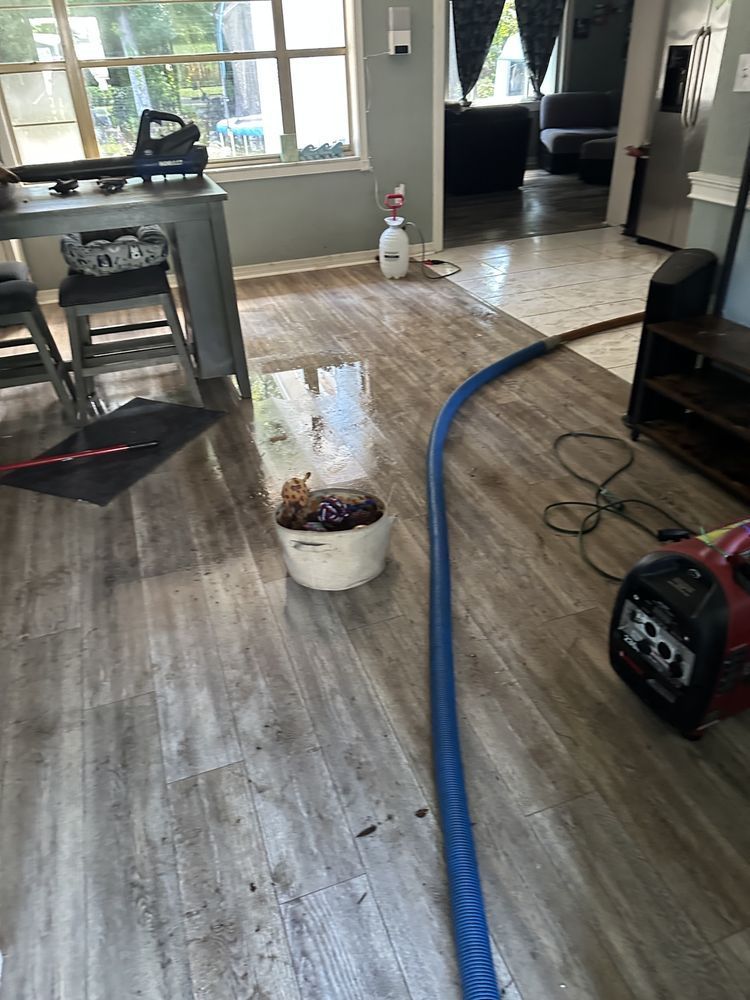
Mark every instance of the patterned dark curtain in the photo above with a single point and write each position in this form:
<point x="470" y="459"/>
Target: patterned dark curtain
<point x="474" y="24"/>
<point x="539" y="23"/>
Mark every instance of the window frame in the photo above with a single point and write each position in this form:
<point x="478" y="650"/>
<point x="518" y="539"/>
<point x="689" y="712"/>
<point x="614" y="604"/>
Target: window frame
<point x="238" y="167"/>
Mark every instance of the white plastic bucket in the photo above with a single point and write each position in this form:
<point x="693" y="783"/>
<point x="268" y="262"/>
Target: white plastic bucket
<point x="335" y="560"/>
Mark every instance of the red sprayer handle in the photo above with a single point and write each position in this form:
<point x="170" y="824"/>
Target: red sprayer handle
<point x="394" y="201"/>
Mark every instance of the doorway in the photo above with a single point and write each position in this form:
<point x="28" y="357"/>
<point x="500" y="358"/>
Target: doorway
<point x="499" y="185"/>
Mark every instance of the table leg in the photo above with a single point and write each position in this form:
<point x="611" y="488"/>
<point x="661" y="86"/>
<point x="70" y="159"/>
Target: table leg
<point x="204" y="272"/>
<point x="226" y="277"/>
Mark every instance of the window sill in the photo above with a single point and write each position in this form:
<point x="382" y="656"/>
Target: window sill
<point x="511" y="102"/>
<point x="224" y="174"/>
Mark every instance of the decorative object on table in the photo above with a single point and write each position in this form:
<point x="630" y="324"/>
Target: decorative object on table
<point x="177" y="152"/>
<point x="64" y="187"/>
<point x="335" y="539"/>
<point x="324" y="152"/>
<point x="115" y="251"/>
<point x="100" y="481"/>
<point x="111" y="185"/>
<point x="289" y="148"/>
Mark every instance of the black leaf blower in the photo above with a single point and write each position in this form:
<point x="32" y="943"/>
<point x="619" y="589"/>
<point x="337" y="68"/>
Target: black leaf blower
<point x="177" y="152"/>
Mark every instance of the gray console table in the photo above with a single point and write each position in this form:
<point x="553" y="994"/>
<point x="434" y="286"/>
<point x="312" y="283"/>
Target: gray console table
<point x="192" y="211"/>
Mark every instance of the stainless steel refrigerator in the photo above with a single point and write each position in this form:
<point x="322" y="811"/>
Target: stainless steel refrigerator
<point x="696" y="31"/>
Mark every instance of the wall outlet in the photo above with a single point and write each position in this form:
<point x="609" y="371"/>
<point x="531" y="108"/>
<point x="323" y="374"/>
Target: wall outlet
<point x="400" y="189"/>
<point x="742" y="79"/>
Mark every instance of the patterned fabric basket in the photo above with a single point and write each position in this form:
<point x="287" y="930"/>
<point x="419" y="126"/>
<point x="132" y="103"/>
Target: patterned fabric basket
<point x="98" y="254"/>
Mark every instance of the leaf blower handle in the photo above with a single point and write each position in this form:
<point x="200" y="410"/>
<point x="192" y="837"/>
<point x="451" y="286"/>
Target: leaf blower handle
<point x="394" y="202"/>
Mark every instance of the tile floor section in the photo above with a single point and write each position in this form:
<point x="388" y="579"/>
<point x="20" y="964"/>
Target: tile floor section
<point x="560" y="282"/>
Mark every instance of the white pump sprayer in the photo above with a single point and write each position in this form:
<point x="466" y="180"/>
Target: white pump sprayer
<point x="394" y="243"/>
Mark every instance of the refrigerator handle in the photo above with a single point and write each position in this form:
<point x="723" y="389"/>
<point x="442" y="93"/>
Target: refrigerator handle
<point x="700" y="76"/>
<point x="687" y="101"/>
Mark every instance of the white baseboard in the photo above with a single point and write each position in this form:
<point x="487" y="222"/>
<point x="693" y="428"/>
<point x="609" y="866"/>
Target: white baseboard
<point x="243" y="271"/>
<point x="714" y="188"/>
<point x="48" y="296"/>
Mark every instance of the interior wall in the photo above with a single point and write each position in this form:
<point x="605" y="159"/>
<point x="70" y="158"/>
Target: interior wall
<point x="598" y="61"/>
<point x="737" y="305"/>
<point x="287" y="218"/>
<point x="638" y="98"/>
<point x="724" y="154"/>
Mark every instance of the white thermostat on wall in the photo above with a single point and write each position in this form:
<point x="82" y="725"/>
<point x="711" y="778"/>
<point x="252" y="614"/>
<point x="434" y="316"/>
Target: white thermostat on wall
<point x="399" y="31"/>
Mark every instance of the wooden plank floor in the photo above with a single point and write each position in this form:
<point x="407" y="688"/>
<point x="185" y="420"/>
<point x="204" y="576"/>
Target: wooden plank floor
<point x="190" y="744"/>
<point x="545" y="204"/>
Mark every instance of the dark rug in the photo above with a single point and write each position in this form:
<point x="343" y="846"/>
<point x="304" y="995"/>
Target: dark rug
<point x="100" y="479"/>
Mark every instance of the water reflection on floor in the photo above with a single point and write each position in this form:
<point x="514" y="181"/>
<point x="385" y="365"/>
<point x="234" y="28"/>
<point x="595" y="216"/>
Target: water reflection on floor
<point x="314" y="418"/>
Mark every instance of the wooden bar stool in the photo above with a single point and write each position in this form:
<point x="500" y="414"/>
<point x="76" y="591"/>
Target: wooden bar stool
<point x="19" y="307"/>
<point x="83" y="295"/>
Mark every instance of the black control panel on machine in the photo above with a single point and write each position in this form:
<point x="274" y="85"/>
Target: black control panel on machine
<point x="669" y="637"/>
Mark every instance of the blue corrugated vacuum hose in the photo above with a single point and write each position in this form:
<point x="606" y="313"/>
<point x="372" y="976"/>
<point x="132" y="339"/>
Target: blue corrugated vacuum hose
<point x="473" y="950"/>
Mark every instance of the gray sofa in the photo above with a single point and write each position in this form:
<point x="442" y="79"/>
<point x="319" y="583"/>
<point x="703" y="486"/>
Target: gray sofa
<point x="567" y="121"/>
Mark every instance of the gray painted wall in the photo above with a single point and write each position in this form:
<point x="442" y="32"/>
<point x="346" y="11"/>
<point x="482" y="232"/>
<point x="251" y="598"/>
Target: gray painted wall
<point x="286" y="218"/>
<point x="724" y="153"/>
<point x="597" y="62"/>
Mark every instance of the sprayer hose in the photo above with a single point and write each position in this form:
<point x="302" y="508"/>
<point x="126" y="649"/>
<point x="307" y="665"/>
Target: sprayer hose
<point x="471" y="934"/>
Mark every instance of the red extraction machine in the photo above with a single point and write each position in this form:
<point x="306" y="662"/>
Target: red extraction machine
<point x="680" y="632"/>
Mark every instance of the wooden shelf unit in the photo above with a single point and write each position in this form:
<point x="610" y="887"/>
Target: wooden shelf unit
<point x="692" y="396"/>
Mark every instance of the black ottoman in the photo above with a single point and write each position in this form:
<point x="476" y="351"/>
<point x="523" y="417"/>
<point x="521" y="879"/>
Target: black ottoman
<point x="596" y="159"/>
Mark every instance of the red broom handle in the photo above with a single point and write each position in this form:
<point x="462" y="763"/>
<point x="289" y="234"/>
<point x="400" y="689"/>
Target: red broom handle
<point x="71" y="456"/>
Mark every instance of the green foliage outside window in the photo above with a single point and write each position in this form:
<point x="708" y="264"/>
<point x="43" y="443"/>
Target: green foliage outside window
<point x="202" y="91"/>
<point x="507" y="26"/>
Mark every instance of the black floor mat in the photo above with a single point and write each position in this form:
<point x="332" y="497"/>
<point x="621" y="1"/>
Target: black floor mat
<point x="99" y="480"/>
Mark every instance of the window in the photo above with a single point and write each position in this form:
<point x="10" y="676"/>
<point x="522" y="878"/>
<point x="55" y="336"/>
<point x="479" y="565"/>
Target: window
<point x="76" y="74"/>
<point x="504" y="78"/>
